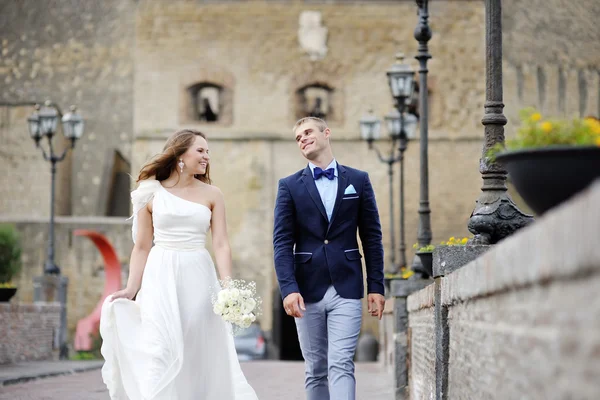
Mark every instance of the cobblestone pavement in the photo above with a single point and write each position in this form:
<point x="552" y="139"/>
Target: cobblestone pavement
<point x="272" y="380"/>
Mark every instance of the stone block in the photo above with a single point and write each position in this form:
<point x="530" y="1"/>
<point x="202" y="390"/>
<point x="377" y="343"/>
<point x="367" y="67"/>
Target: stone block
<point x="405" y="287"/>
<point x="450" y="258"/>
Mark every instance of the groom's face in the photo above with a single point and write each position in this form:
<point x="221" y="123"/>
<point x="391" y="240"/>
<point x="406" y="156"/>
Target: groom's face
<point x="311" y="140"/>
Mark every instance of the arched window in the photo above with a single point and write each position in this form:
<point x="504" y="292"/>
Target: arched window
<point x="206" y="102"/>
<point x="314" y="100"/>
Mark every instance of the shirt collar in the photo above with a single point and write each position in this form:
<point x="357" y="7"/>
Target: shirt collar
<point x="332" y="164"/>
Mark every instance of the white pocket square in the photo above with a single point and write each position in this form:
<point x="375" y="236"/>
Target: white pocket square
<point x="350" y="190"/>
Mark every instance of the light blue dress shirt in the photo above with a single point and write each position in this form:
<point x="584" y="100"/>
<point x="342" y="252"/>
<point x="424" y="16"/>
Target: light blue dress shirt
<point x="327" y="188"/>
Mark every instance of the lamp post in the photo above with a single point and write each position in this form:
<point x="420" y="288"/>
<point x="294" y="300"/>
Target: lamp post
<point x="401" y="127"/>
<point x="423" y="35"/>
<point x="495" y="216"/>
<point x="43" y="124"/>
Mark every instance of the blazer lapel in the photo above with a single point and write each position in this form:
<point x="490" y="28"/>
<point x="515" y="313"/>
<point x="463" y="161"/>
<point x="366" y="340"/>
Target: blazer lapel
<point x="342" y="183"/>
<point x="309" y="181"/>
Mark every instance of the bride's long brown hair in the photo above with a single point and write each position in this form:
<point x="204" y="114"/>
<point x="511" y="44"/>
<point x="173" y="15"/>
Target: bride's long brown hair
<point x="163" y="164"/>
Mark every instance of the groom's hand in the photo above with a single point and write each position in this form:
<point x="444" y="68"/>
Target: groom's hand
<point x="293" y="304"/>
<point x="376" y="304"/>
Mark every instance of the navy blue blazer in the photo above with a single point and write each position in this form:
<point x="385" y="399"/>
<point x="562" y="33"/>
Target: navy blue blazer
<point x="312" y="253"/>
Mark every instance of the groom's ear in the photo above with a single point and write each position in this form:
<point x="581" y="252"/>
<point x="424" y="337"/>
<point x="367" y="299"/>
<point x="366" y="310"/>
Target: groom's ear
<point x="327" y="133"/>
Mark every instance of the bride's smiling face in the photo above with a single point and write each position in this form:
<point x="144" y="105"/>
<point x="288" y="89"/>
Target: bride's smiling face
<point x="196" y="157"/>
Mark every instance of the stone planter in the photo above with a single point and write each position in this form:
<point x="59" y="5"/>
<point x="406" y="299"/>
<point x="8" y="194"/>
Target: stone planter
<point x="450" y="258"/>
<point x="545" y="177"/>
<point x="427" y="261"/>
<point x="6" y="294"/>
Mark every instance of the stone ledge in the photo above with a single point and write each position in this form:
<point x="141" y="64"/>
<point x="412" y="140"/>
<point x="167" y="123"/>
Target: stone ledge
<point x="405" y="287"/>
<point x="10" y="308"/>
<point x="424" y="298"/>
<point x="562" y="244"/>
<point x="447" y="259"/>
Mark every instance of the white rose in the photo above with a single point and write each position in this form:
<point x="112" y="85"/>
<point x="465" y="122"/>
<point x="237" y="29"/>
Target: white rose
<point x="218" y="308"/>
<point x="246" y="321"/>
<point x="246" y="307"/>
<point x="223" y="296"/>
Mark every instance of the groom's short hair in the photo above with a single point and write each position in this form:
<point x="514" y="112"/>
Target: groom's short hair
<point x="321" y="124"/>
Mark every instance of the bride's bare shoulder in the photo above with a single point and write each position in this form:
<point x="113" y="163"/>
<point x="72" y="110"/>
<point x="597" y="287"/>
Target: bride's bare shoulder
<point x="215" y="192"/>
<point x="212" y="193"/>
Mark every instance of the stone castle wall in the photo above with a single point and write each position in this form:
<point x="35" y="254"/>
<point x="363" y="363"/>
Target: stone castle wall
<point x="72" y="52"/>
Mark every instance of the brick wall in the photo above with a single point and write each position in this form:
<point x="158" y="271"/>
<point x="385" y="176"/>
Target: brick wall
<point x="27" y="331"/>
<point x="523" y="319"/>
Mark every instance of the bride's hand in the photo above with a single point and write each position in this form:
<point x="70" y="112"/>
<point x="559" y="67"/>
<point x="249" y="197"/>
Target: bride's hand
<point x="126" y="293"/>
<point x="225" y="283"/>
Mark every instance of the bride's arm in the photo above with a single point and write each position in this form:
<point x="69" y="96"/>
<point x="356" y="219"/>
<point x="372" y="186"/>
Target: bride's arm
<point x="219" y="236"/>
<point x="139" y="255"/>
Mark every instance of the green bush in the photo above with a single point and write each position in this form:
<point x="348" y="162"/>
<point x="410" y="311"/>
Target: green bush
<point x="83" y="355"/>
<point x="10" y="253"/>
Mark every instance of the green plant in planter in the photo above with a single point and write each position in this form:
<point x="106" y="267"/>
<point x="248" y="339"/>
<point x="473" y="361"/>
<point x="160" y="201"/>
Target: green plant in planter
<point x="424" y="249"/>
<point x="537" y="132"/>
<point x="10" y="255"/>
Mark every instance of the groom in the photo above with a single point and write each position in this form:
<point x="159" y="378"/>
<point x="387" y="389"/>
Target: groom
<point x="318" y="262"/>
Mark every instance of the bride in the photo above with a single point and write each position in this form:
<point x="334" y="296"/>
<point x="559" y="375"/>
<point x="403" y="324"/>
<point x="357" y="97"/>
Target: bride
<point x="168" y="344"/>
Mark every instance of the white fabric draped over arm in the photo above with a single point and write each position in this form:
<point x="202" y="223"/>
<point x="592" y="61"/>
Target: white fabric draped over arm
<point x="140" y="197"/>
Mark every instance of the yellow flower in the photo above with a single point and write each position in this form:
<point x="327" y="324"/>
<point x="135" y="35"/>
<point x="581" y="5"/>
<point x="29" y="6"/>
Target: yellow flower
<point x="546" y="126"/>
<point x="597" y="141"/>
<point x="594" y="124"/>
<point x="536" y="117"/>
<point x="406" y="273"/>
<point x="464" y="240"/>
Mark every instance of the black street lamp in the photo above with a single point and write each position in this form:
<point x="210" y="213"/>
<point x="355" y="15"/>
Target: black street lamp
<point x="401" y="127"/>
<point x="43" y="123"/>
<point x="404" y="127"/>
<point x="495" y="216"/>
<point x="423" y="35"/>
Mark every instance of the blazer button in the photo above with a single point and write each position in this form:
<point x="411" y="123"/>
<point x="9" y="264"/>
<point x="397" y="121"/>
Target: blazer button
<point x="326" y="241"/>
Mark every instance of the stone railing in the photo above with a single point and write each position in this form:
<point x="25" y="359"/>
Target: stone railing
<point x="520" y="321"/>
<point x="28" y="331"/>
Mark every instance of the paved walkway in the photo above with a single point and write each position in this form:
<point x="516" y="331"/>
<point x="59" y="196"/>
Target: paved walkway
<point x="272" y="380"/>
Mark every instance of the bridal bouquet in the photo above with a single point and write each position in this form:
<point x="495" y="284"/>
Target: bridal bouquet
<point x="237" y="303"/>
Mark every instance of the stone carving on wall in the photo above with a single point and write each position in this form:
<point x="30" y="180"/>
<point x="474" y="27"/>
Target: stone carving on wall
<point x="312" y="35"/>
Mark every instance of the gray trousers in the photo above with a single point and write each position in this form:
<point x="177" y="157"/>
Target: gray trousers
<point x="328" y="334"/>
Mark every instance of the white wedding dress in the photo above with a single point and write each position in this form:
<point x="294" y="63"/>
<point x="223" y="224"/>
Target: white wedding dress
<point x="168" y="344"/>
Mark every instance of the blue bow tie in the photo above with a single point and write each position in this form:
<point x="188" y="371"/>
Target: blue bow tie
<point x="329" y="173"/>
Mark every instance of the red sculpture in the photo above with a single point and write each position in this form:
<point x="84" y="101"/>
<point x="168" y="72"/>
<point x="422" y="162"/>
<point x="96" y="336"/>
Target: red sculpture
<point x="88" y="326"/>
